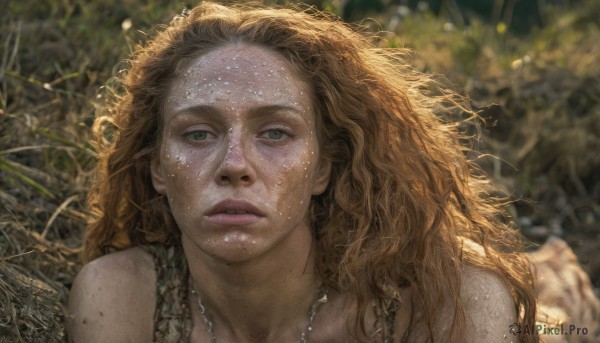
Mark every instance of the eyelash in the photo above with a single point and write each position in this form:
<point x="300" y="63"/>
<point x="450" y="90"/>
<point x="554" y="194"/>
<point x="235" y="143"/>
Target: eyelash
<point x="278" y="129"/>
<point x="188" y="135"/>
<point x="284" y="132"/>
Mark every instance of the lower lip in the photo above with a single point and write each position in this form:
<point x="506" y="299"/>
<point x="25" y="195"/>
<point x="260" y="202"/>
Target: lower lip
<point x="233" y="219"/>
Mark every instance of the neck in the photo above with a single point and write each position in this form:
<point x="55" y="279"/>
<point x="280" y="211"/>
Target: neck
<point x="265" y="298"/>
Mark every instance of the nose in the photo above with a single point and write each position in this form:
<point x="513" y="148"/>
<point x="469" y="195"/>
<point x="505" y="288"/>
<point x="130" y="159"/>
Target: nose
<point x="235" y="168"/>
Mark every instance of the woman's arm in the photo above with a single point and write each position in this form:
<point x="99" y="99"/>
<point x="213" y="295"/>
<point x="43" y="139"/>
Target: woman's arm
<point x="112" y="299"/>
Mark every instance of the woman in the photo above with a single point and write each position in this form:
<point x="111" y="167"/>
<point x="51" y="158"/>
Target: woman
<point x="274" y="178"/>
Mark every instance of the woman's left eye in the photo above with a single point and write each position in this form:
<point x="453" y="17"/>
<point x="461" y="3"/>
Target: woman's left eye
<point x="275" y="134"/>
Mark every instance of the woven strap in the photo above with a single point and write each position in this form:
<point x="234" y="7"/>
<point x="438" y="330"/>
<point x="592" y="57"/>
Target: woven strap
<point x="172" y="321"/>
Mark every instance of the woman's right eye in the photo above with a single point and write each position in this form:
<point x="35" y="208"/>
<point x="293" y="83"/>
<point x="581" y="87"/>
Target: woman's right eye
<point x="197" y="135"/>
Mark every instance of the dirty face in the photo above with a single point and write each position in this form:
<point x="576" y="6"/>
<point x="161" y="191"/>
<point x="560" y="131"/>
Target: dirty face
<point x="239" y="157"/>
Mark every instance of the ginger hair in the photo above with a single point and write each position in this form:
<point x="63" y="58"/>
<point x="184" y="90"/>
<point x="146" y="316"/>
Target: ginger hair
<point x="402" y="195"/>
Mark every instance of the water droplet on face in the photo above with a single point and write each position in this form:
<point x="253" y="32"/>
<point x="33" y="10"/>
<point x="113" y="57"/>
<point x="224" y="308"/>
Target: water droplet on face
<point x="226" y="239"/>
<point x="228" y="68"/>
<point x="218" y="79"/>
<point x="226" y="82"/>
<point x="189" y="208"/>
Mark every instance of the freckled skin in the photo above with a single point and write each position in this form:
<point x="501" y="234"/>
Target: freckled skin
<point x="238" y="124"/>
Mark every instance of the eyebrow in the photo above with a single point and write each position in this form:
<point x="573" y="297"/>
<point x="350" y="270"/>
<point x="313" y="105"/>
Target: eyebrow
<point x="254" y="112"/>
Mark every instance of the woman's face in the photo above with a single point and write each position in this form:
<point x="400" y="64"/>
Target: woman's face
<point x="239" y="158"/>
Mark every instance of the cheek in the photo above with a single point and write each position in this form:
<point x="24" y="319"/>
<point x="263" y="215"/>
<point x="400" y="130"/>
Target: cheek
<point x="293" y="184"/>
<point x="175" y="164"/>
<point x="184" y="170"/>
<point x="183" y="183"/>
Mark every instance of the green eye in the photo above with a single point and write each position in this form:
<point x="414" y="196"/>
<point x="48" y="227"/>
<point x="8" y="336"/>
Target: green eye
<point x="275" y="134"/>
<point x="198" y="135"/>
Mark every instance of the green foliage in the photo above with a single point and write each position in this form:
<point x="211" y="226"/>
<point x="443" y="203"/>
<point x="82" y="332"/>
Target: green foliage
<point x="18" y="171"/>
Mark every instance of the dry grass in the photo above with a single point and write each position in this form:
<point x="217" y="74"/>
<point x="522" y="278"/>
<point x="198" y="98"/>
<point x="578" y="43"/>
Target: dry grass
<point x="33" y="288"/>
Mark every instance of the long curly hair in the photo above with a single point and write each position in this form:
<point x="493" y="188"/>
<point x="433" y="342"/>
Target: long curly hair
<point x="403" y="196"/>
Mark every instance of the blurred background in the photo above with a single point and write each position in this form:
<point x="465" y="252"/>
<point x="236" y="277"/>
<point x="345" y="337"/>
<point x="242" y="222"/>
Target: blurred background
<point x="530" y="67"/>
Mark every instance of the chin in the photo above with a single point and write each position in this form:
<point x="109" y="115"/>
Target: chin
<point x="234" y="250"/>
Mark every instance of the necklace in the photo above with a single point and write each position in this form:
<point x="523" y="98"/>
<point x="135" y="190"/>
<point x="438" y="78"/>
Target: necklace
<point x="321" y="299"/>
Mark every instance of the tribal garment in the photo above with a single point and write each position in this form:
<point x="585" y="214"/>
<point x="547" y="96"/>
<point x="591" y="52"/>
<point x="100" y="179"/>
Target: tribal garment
<point x="172" y="319"/>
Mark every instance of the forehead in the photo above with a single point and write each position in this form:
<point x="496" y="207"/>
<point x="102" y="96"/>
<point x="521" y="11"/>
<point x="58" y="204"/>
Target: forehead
<point x="236" y="55"/>
<point x="237" y="73"/>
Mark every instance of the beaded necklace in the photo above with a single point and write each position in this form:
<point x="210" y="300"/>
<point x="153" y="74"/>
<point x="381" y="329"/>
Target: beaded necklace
<point x="321" y="299"/>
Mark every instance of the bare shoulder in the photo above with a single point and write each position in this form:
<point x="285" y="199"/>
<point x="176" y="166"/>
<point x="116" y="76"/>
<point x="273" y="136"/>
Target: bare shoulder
<point x="487" y="302"/>
<point x="112" y="299"/>
<point x="488" y="305"/>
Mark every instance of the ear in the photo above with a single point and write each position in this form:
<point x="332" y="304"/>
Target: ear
<point x="157" y="174"/>
<point x="321" y="180"/>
